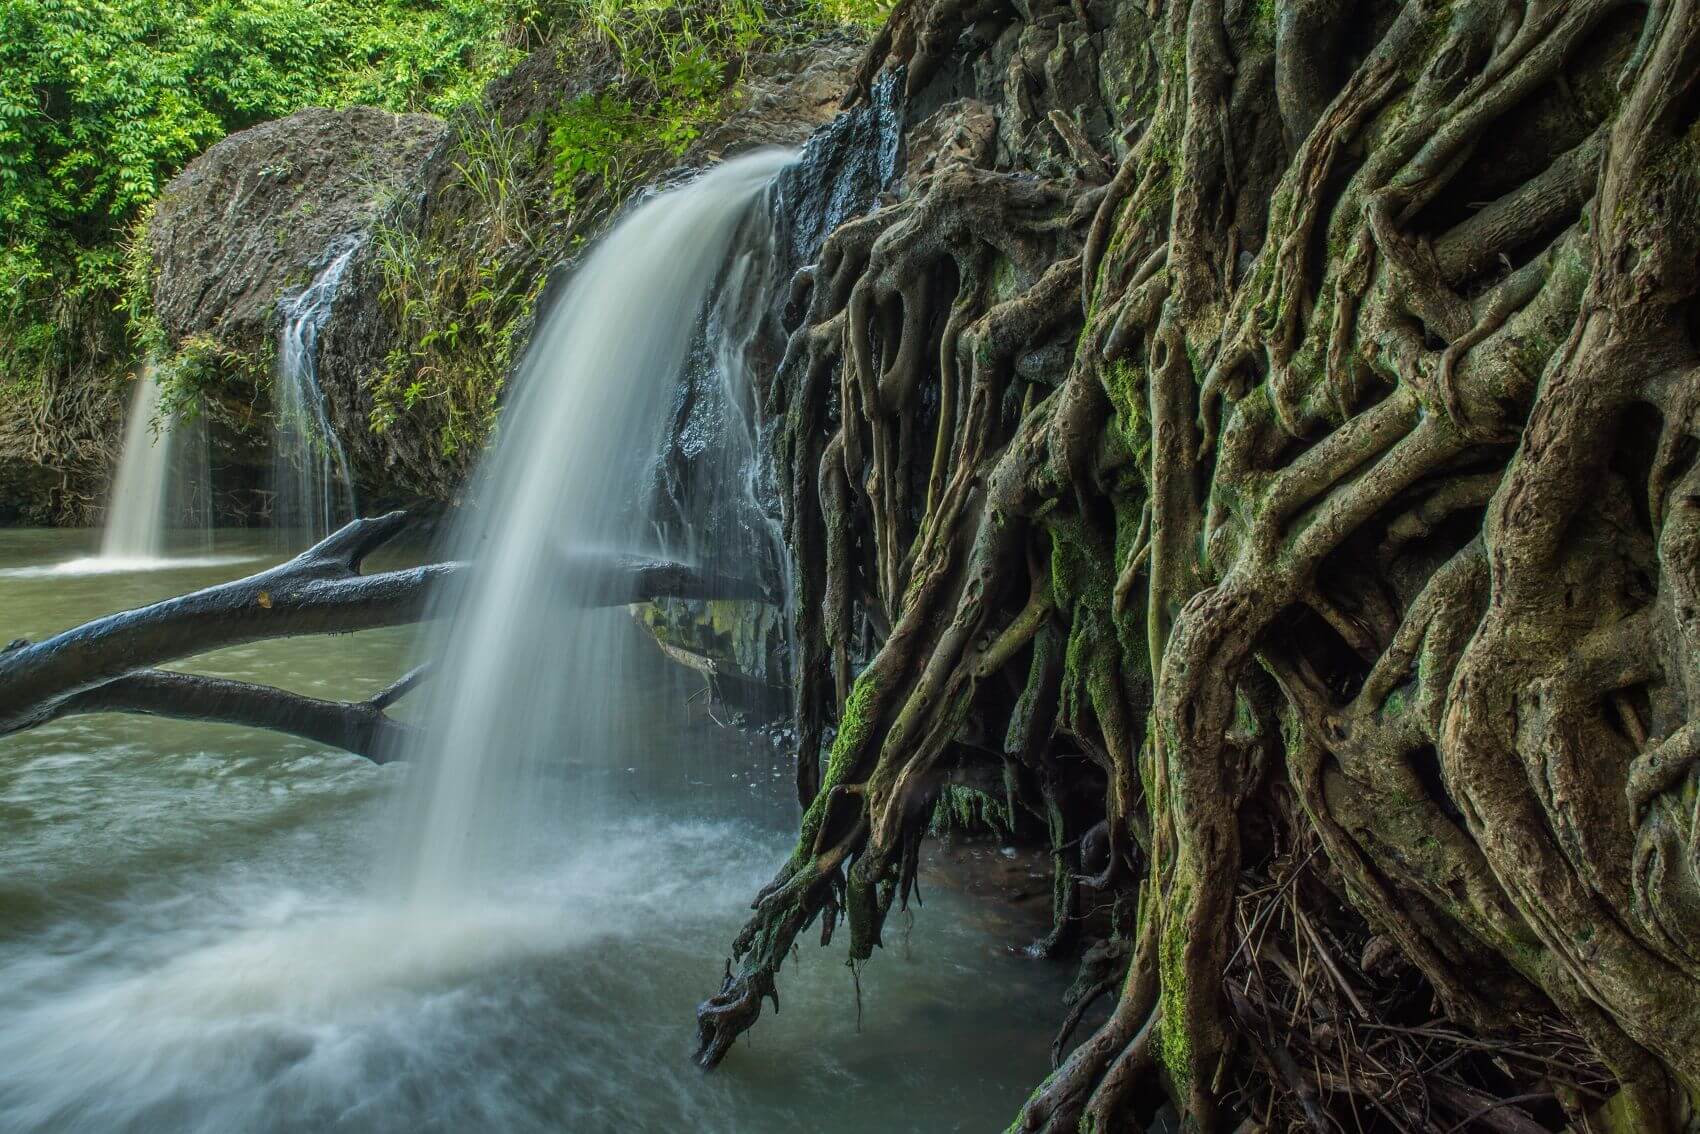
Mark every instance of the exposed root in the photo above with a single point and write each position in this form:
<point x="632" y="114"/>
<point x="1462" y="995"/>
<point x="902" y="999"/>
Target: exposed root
<point x="1334" y="577"/>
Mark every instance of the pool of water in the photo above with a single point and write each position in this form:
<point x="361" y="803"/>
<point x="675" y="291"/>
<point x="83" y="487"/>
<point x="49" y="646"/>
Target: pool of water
<point x="194" y="937"/>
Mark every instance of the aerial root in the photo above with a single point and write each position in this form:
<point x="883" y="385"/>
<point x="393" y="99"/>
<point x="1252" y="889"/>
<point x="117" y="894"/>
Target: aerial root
<point x="1063" y="1099"/>
<point x="730" y="1012"/>
<point x="1658" y="769"/>
<point x="1516" y="293"/>
<point x="1261" y="484"/>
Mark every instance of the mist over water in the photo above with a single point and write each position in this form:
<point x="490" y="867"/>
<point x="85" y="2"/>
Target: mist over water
<point x="524" y="696"/>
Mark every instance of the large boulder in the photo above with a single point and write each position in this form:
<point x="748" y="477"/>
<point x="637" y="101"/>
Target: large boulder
<point x="251" y="223"/>
<point x="254" y="217"/>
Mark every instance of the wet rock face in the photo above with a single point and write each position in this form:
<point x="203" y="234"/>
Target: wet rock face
<point x="716" y="487"/>
<point x="252" y="218"/>
<point x="840" y="174"/>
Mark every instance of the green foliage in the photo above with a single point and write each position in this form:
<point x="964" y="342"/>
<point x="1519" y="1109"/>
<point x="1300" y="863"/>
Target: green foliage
<point x="594" y="136"/>
<point x="190" y="378"/>
<point x="492" y="164"/>
<point x="459" y="289"/>
<point x="867" y="13"/>
<point x="102" y="101"/>
<point x="455" y="292"/>
<point x="679" y="61"/>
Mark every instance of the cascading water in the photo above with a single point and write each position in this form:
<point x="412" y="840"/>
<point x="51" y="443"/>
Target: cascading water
<point x="718" y="504"/>
<point x="720" y="497"/>
<point x="136" y="509"/>
<point x="529" y="669"/>
<point x="188" y="944"/>
<point x="161" y="484"/>
<point x="312" y="487"/>
<point x="740" y="472"/>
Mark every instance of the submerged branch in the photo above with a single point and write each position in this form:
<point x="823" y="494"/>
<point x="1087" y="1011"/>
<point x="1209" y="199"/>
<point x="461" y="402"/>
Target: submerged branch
<point x="360" y="727"/>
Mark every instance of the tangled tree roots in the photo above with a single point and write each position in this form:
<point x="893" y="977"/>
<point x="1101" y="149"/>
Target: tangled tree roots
<point x="1305" y="519"/>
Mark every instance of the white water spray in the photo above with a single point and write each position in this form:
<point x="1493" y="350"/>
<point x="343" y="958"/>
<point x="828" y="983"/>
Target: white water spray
<point x="529" y="673"/>
<point x="312" y="486"/>
<point x="161" y="483"/>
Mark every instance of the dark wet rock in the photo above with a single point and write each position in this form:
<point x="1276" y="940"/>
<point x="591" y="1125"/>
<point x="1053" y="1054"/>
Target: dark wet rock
<point x="254" y="217"/>
<point x="401" y="467"/>
<point x="716" y="484"/>
<point x="840" y="174"/>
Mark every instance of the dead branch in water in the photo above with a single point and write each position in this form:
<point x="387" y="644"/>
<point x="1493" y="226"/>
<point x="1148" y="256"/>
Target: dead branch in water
<point x="111" y="664"/>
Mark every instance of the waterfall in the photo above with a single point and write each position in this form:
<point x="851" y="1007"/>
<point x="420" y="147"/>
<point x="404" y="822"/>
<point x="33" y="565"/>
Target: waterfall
<point x="313" y="490"/>
<point x="136" y="508"/>
<point x="527" y="671"/>
<point x="161" y="482"/>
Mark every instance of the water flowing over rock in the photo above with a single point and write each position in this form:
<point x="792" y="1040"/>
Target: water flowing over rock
<point x="525" y="692"/>
<point x="313" y="489"/>
<point x="251" y="218"/>
<point x="1244" y="453"/>
<point x="265" y="214"/>
<point x="717" y="478"/>
<point x="249" y="223"/>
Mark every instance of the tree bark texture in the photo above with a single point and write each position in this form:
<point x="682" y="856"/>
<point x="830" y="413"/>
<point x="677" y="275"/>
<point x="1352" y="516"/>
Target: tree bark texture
<point x="1265" y="436"/>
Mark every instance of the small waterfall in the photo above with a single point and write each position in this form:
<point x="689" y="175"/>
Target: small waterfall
<point x="161" y="483"/>
<point x="524" y="694"/>
<point x="136" y="508"/>
<point x="313" y="491"/>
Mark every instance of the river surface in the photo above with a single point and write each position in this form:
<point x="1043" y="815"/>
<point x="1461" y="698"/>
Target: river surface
<point x="190" y="941"/>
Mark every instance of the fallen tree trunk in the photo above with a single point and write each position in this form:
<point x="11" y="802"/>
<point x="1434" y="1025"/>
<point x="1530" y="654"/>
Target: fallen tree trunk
<point x="360" y="727"/>
<point x="110" y="664"/>
<point x="320" y="591"/>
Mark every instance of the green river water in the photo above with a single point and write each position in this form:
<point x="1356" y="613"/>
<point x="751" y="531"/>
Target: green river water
<point x="191" y="937"/>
